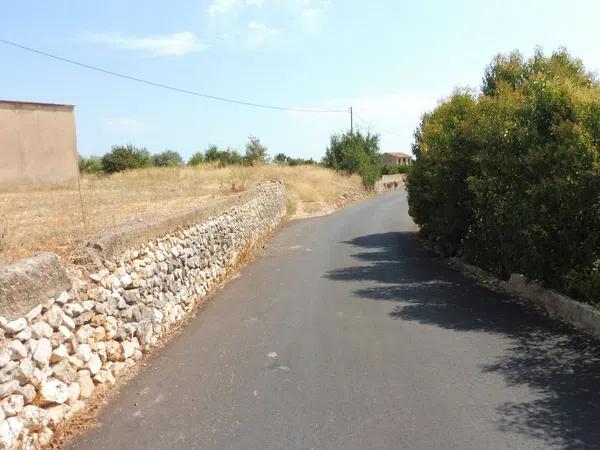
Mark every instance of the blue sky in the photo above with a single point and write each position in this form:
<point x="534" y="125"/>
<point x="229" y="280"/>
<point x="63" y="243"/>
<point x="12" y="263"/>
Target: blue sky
<point x="389" y="59"/>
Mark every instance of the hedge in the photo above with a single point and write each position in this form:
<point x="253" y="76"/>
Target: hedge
<point x="509" y="177"/>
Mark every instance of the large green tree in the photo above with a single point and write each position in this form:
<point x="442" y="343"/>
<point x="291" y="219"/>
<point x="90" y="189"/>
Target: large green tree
<point x="510" y="177"/>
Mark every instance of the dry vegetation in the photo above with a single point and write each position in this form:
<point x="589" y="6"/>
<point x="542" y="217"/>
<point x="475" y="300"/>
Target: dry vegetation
<point x="50" y="219"/>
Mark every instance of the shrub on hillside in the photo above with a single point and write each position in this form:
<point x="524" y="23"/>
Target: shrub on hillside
<point x="256" y="153"/>
<point x="196" y="159"/>
<point x="510" y="178"/>
<point x="394" y="169"/>
<point x="91" y="165"/>
<point x="353" y="152"/>
<point x="124" y="157"/>
<point x="168" y="158"/>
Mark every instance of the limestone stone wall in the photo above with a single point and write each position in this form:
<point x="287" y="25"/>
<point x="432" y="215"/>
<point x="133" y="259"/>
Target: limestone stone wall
<point x="53" y="357"/>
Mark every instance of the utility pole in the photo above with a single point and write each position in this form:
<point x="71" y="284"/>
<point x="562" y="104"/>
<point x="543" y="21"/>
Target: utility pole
<point x="351" y="122"/>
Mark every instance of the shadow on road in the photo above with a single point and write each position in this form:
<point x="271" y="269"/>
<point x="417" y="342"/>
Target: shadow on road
<point x="553" y="360"/>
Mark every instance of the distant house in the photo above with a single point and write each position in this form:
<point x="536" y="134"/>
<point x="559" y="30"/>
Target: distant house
<point x="396" y="159"/>
<point x="38" y="143"/>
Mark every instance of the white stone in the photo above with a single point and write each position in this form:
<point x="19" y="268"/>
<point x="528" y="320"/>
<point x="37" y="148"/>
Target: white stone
<point x="24" y="335"/>
<point x="84" y="333"/>
<point x="64" y="372"/>
<point x="59" y="353"/>
<point x="41" y="330"/>
<point x="99" y="334"/>
<point x="56" y="414"/>
<point x="7" y="440"/>
<point x="88" y="305"/>
<point x="17" y="350"/>
<point x="25" y="372"/>
<point x="84" y="353"/>
<point x="42" y="351"/>
<point x="15" y="326"/>
<point x="34" y="313"/>
<point x="111" y="326"/>
<point x="16" y="426"/>
<point x="28" y="393"/>
<point x="74" y="392"/>
<point x="94" y="364"/>
<point x="68" y="322"/>
<point x="4" y="357"/>
<point x="54" y="391"/>
<point x="73" y="309"/>
<point x="34" y="417"/>
<point x="65" y="332"/>
<point x="126" y="280"/>
<point x="128" y="349"/>
<point x="104" y="376"/>
<point x="63" y="298"/>
<point x="13" y="405"/>
<point x="54" y="316"/>
<point x="86" y="385"/>
<point x="75" y="361"/>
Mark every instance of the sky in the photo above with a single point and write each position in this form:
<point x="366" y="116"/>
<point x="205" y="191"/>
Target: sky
<point x="391" y="60"/>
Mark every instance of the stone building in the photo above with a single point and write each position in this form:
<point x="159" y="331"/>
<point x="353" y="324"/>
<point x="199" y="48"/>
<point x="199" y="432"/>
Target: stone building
<point x="38" y="143"/>
<point x="395" y="159"/>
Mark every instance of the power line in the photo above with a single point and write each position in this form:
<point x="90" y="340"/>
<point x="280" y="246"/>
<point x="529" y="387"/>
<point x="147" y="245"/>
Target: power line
<point x="165" y="86"/>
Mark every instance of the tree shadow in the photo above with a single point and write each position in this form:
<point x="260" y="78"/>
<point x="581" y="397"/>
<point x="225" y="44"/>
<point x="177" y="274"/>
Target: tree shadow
<point x="560" y="364"/>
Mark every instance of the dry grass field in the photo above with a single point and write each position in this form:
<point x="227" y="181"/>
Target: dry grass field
<point x="50" y="219"/>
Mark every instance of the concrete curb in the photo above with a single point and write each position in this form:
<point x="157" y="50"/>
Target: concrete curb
<point x="25" y="283"/>
<point x="579" y="315"/>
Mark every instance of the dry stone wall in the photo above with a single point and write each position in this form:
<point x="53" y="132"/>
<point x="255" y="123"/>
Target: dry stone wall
<point x="53" y="358"/>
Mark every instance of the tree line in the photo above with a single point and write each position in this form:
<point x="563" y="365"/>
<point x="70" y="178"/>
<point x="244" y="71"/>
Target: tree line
<point x="350" y="152"/>
<point x="508" y="177"/>
<point x="126" y="157"/>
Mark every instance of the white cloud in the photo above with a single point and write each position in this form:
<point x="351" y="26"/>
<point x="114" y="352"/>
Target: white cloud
<point x="124" y="124"/>
<point x="221" y="6"/>
<point x="314" y="9"/>
<point x="259" y="35"/>
<point x="175" y="44"/>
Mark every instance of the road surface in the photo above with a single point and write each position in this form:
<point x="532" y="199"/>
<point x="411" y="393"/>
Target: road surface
<point x="344" y="333"/>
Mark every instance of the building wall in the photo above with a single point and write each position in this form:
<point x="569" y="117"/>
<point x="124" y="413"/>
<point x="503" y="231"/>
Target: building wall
<point x="38" y="143"/>
<point x="392" y="160"/>
<point x="389" y="160"/>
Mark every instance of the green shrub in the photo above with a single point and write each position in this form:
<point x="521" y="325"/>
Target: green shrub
<point x="91" y="165"/>
<point x="256" y="153"/>
<point x="212" y="153"/>
<point x="196" y="159"/>
<point x="510" y="178"/>
<point x="394" y="169"/>
<point x="281" y="158"/>
<point x="168" y="158"/>
<point x="124" y="157"/>
<point x="353" y="152"/>
<point x="229" y="157"/>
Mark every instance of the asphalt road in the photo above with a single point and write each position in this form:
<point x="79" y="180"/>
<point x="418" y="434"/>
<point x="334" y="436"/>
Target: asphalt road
<point x="344" y="333"/>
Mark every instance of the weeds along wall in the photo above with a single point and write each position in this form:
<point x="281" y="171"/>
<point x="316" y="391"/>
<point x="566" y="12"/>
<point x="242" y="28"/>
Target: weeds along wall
<point x="54" y="356"/>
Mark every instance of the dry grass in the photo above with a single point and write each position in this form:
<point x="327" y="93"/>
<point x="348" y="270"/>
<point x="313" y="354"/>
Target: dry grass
<point x="50" y="219"/>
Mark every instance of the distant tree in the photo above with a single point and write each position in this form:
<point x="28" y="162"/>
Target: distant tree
<point x="196" y="159"/>
<point x="353" y="152"/>
<point x="93" y="164"/>
<point x="281" y="158"/>
<point x="125" y="157"/>
<point x="229" y="157"/>
<point x="212" y="153"/>
<point x="256" y="153"/>
<point x="168" y="158"/>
